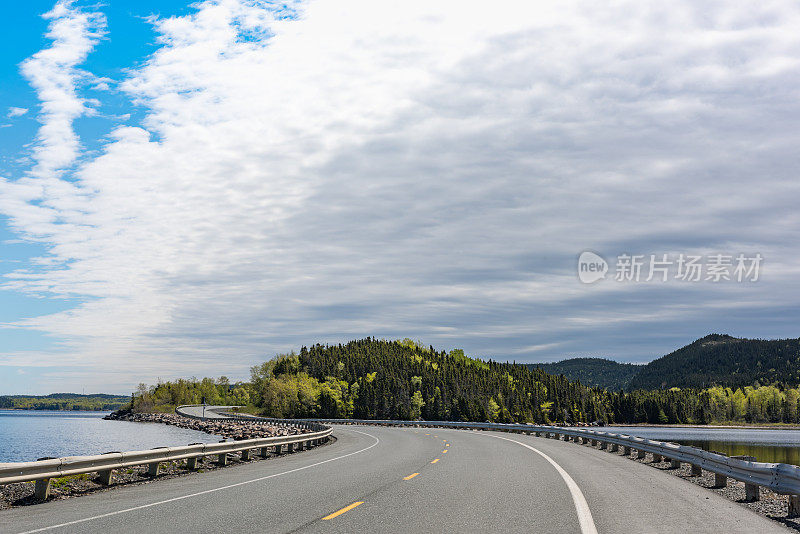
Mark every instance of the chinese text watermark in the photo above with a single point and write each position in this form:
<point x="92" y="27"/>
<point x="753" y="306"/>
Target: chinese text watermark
<point x="712" y="268"/>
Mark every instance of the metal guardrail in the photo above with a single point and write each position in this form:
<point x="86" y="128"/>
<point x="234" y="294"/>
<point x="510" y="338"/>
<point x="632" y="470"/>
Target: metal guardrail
<point x="780" y="478"/>
<point x="42" y="471"/>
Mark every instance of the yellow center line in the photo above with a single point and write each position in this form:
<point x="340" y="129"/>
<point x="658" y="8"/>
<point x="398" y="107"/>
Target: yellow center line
<point x="409" y="477"/>
<point x="435" y="460"/>
<point x="444" y="451"/>
<point x="427" y="434"/>
<point x="343" y="510"/>
<point x="447" y="445"/>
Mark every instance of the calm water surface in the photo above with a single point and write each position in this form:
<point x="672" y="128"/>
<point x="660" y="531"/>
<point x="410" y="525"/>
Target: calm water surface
<point x="767" y="445"/>
<point x="28" y="435"/>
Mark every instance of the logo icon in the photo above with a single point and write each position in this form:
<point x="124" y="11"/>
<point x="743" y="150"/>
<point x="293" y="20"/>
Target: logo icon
<point x="591" y="267"/>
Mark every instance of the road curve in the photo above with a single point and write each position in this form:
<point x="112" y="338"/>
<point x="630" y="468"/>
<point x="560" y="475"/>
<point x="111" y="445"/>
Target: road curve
<point x="376" y="479"/>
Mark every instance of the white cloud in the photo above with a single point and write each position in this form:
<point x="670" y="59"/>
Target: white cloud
<point x="421" y="169"/>
<point x="16" y="112"/>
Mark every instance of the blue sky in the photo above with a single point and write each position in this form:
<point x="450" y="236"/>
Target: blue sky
<point x="187" y="189"/>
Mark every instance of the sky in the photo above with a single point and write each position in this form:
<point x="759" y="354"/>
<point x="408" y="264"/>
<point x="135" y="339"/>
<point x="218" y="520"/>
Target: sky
<point x="190" y="189"/>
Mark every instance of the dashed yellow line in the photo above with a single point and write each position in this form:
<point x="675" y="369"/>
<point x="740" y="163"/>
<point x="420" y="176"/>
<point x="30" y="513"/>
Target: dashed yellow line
<point x="447" y="445"/>
<point x="409" y="477"/>
<point x="343" y="510"/>
<point x="435" y="460"/>
<point x="444" y="451"/>
<point x="427" y="434"/>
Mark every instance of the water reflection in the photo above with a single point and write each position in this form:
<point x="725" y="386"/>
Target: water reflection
<point x="762" y="453"/>
<point x="765" y="444"/>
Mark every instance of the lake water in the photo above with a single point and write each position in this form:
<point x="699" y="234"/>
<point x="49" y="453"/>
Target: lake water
<point x="767" y="445"/>
<point x="28" y="435"/>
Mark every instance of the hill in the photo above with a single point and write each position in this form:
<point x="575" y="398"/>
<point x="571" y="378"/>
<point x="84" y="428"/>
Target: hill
<point x="722" y="360"/>
<point x="378" y="379"/>
<point x="63" y="401"/>
<point x="592" y="372"/>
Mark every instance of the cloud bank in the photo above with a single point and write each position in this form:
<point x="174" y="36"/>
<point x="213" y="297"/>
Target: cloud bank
<point x="432" y="170"/>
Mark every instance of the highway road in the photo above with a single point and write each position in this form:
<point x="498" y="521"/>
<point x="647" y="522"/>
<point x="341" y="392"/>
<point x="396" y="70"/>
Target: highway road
<point x="376" y="479"/>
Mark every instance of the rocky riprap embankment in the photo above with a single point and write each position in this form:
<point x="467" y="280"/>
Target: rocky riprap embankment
<point x="20" y="494"/>
<point x="226" y="428"/>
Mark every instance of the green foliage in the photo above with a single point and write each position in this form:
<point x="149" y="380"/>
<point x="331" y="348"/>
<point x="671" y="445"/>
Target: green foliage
<point x="64" y="401"/>
<point x="378" y="379"/>
<point x="593" y="372"/>
<point x="722" y="360"/>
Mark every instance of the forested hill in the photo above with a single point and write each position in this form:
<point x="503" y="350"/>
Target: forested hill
<point x="722" y="360"/>
<point x="378" y="379"/>
<point x="593" y="372"/>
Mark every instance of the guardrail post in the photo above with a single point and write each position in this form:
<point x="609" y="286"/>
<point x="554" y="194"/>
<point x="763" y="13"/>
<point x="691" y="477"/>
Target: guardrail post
<point x="290" y="447"/>
<point x="584" y="440"/>
<point x="42" y="489"/>
<point x="538" y="434"/>
<point x="614" y="447"/>
<point x="264" y="452"/>
<point x="640" y="453"/>
<point x="278" y="449"/>
<point x="720" y="481"/>
<point x="697" y="470"/>
<point x="603" y="445"/>
<point x="674" y="464"/>
<point x="627" y="450"/>
<point x="794" y="506"/>
<point x="752" y="492"/>
<point x="594" y="443"/>
<point x="656" y="458"/>
<point x="191" y="463"/>
<point x="105" y="476"/>
<point x="152" y="469"/>
<point x="245" y="455"/>
<point x="222" y="459"/>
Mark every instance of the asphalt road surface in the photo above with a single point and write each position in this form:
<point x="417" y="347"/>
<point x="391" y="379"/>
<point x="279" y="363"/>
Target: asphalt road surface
<point x="376" y="479"/>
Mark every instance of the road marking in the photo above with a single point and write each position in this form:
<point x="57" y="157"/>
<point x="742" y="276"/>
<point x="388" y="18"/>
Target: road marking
<point x="581" y="506"/>
<point x="409" y="477"/>
<point x="427" y="434"/>
<point x="435" y="460"/>
<point x="447" y="445"/>
<point x="206" y="492"/>
<point x="444" y="451"/>
<point x="343" y="510"/>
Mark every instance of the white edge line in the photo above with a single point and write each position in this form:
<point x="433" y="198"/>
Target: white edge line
<point x="205" y="492"/>
<point x="581" y="506"/>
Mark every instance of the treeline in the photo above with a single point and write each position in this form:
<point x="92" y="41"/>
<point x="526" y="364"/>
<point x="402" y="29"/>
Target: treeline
<point x="63" y="401"/>
<point x="378" y="379"/>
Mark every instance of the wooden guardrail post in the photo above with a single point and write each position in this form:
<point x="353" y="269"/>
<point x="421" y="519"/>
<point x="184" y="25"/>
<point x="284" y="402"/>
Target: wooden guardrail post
<point x="656" y="458"/>
<point x="794" y="506"/>
<point x="614" y="448"/>
<point x="627" y="451"/>
<point x="245" y="455"/>
<point x="752" y="492"/>
<point x="105" y="477"/>
<point x="640" y="454"/>
<point x="697" y="470"/>
<point x="603" y="445"/>
<point x="153" y="468"/>
<point x="720" y="481"/>
<point x="674" y="464"/>
<point x="594" y="443"/>
<point x="42" y="489"/>
<point x="191" y="463"/>
<point x="264" y="452"/>
<point x="278" y="449"/>
<point x="222" y="459"/>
